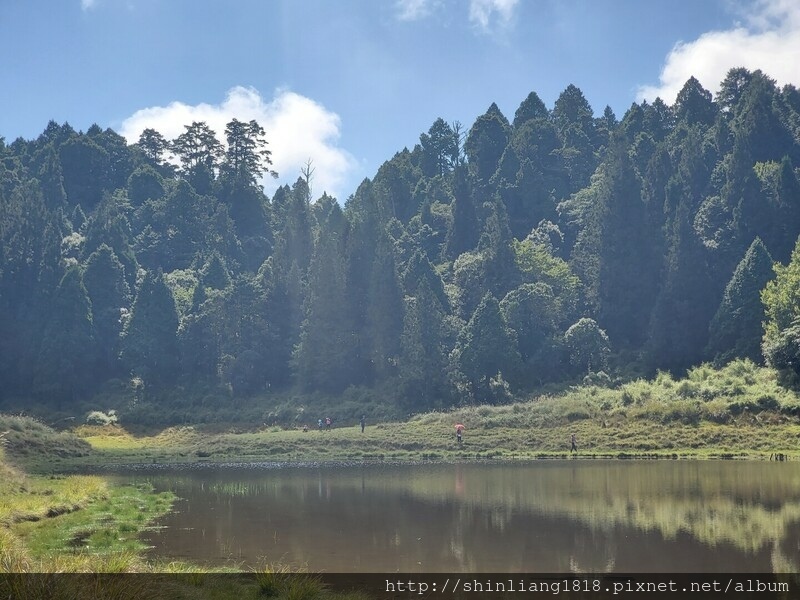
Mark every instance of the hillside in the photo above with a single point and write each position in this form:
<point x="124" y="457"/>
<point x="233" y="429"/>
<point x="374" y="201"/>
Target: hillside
<point x="158" y="279"/>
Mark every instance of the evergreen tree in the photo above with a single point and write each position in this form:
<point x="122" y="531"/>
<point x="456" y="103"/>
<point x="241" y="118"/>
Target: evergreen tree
<point x="530" y="109"/>
<point x="485" y="144"/>
<point x="420" y="269"/>
<point x="215" y="273"/>
<point x="246" y="156"/>
<point x="736" y="329"/>
<point x="422" y="365"/>
<point x="500" y="273"/>
<point x="439" y="149"/>
<point x="63" y="367"/>
<point x="109" y="293"/>
<point x="327" y="342"/>
<point x="384" y="313"/>
<point x="86" y="171"/>
<point x="694" y="106"/>
<point x="464" y="230"/>
<point x="687" y="299"/>
<point x="149" y="344"/>
<point x="487" y="348"/>
<point x="153" y="145"/>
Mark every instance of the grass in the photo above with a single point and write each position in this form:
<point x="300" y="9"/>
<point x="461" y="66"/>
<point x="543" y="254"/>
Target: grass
<point x="737" y="411"/>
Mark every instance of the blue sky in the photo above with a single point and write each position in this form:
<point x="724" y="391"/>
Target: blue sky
<point x="349" y="83"/>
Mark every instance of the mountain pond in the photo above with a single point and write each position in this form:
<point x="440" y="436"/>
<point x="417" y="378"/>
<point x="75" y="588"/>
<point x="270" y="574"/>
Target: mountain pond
<point x="549" y="516"/>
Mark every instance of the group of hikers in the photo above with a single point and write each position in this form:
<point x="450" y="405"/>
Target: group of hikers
<point x="327" y="422"/>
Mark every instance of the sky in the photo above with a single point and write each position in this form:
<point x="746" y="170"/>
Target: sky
<point x="348" y="83"/>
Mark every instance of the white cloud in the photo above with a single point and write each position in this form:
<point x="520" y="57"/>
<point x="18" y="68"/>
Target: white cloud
<point x="481" y="12"/>
<point x="297" y="128"/>
<point x="87" y="4"/>
<point x="412" y="10"/>
<point x="484" y="14"/>
<point x="768" y="39"/>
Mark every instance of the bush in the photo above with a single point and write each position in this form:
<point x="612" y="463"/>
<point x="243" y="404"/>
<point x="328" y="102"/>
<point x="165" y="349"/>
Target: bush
<point x="97" y="417"/>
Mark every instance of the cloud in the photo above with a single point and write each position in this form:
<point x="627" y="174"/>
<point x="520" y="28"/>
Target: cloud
<point x="484" y="14"/>
<point x="413" y="10"/>
<point x="481" y="12"/>
<point x="297" y="128"/>
<point x="87" y="4"/>
<point x="767" y="39"/>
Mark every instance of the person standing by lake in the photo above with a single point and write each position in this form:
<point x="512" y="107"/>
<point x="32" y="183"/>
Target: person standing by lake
<point x="363" y="422"/>
<point x="574" y="443"/>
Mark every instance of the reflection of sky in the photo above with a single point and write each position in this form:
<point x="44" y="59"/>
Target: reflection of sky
<point x="549" y="516"/>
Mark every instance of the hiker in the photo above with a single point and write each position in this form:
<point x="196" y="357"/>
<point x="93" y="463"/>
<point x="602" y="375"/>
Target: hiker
<point x="459" y="429"/>
<point x="319" y="423"/>
<point x="363" y="422"/>
<point x="328" y="423"/>
<point x="574" y="442"/>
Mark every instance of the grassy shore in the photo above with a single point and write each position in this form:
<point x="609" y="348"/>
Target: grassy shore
<point x="737" y="412"/>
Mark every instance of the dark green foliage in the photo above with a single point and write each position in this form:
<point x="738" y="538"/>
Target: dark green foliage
<point x="104" y="279"/>
<point x="67" y="354"/>
<point x="781" y="298"/>
<point x="533" y="312"/>
<point x="693" y="105"/>
<point x="486" y="348"/>
<point x="691" y="288"/>
<point x="782" y="352"/>
<point x="485" y="144"/>
<point x="324" y="357"/>
<point x="420" y="269"/>
<point x="149" y="344"/>
<point x="153" y="145"/>
<point x="394" y="293"/>
<point x="86" y="169"/>
<point x="464" y="229"/>
<point x="588" y="346"/>
<point x="736" y="329"/>
<point x="215" y="273"/>
<point x="531" y="108"/>
<point x="422" y="365"/>
<point x="613" y="253"/>
<point x="439" y="149"/>
<point x="384" y="314"/>
<point x="246" y="156"/>
<point x="197" y="148"/>
<point x="145" y="183"/>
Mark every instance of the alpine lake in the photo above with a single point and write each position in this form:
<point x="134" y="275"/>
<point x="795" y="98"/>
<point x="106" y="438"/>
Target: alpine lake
<point x="549" y="516"/>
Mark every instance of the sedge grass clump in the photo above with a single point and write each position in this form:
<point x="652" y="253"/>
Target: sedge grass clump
<point x="304" y="586"/>
<point x="272" y="579"/>
<point x="14" y="557"/>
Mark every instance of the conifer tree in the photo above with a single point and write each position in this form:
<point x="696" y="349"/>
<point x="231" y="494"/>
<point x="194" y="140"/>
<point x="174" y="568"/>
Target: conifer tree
<point x="487" y="348"/>
<point x="149" y="345"/>
<point x="422" y="365"/>
<point x="736" y="328"/>
<point x="65" y="360"/>
<point x="108" y="291"/>
<point x="327" y="342"/>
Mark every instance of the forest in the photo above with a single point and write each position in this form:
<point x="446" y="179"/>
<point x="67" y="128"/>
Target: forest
<point x="483" y="264"/>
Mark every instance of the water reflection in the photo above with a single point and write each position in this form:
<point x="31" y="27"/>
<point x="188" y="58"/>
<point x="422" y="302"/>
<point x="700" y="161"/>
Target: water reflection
<point x="551" y="516"/>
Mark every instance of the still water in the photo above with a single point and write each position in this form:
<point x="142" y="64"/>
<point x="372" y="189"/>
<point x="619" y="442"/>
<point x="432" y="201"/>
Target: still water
<point x="547" y="516"/>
